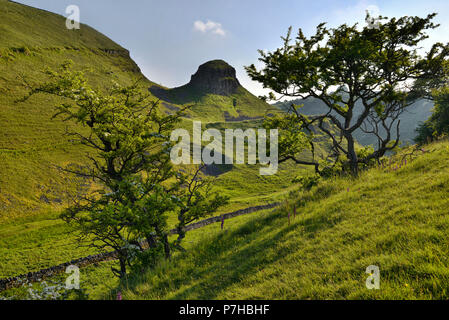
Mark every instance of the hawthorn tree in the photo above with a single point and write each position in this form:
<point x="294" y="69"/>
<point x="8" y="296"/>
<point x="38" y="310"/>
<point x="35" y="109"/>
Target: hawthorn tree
<point x="377" y="67"/>
<point x="195" y="199"/>
<point x="135" y="183"/>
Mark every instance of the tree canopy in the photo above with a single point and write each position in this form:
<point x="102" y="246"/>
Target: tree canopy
<point x="135" y="184"/>
<point x="379" y="67"/>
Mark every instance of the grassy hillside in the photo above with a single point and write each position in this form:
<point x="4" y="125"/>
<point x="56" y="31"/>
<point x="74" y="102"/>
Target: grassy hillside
<point x="395" y="219"/>
<point x="31" y="144"/>
<point x="32" y="190"/>
<point x="21" y="25"/>
<point x="218" y="108"/>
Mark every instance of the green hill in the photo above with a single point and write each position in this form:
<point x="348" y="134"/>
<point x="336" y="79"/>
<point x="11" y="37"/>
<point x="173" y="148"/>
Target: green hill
<point x="396" y="219"/>
<point x="215" y="95"/>
<point x="22" y="25"/>
<point x="31" y="144"/>
<point x="33" y="191"/>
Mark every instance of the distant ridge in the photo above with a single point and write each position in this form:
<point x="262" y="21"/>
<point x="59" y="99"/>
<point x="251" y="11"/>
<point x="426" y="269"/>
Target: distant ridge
<point x="416" y="113"/>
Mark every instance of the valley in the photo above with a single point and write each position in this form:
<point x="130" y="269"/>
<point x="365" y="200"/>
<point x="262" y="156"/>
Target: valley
<point x="329" y="225"/>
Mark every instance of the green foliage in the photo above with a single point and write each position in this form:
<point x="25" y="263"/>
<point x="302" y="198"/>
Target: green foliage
<point x="131" y="161"/>
<point x="307" y="182"/>
<point x="440" y="116"/>
<point x="343" y="65"/>
<point x="365" y="153"/>
<point x="334" y="168"/>
<point x="438" y="123"/>
<point x="195" y="201"/>
<point x="425" y="133"/>
<point x="292" y="138"/>
<point x="342" y="167"/>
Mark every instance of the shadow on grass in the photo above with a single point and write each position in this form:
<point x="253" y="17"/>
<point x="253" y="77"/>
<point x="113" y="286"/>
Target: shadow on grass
<point x="224" y="259"/>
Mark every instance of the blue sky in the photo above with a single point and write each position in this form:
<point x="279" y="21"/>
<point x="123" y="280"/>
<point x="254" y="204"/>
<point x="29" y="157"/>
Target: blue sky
<point x="169" y="39"/>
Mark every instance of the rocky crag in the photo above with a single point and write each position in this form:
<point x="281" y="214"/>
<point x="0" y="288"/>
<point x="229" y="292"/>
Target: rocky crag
<point x="213" y="77"/>
<point x="216" y="77"/>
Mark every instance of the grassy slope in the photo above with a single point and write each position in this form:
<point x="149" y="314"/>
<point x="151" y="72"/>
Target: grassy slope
<point x="21" y="25"/>
<point x="213" y="108"/>
<point x="397" y="220"/>
<point x="32" y="190"/>
<point x="30" y="142"/>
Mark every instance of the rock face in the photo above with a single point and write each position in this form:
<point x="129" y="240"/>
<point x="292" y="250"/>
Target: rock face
<point x="216" y="77"/>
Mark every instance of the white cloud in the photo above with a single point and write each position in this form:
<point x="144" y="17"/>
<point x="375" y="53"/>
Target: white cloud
<point x="209" y="26"/>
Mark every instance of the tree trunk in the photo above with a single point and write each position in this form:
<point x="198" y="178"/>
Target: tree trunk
<point x="122" y="260"/>
<point x="166" y="247"/>
<point x="352" y="155"/>
<point x="122" y="268"/>
<point x="180" y="228"/>
<point x="151" y="241"/>
<point x="164" y="237"/>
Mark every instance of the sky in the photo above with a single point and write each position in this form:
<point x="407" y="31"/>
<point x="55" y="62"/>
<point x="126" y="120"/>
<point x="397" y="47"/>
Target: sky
<point x="169" y="39"/>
